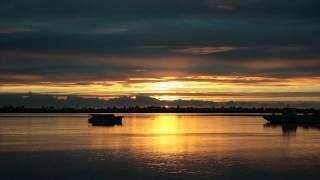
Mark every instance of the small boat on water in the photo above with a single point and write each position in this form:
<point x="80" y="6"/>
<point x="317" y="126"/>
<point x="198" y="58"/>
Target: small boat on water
<point x="105" y="120"/>
<point x="292" y="117"/>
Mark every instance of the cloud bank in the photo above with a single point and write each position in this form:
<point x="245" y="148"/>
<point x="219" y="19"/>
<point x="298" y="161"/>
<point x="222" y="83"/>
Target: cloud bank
<point x="218" y="46"/>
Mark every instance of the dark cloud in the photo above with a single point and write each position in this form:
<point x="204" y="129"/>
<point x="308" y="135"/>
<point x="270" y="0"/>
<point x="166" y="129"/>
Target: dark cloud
<point x="14" y="30"/>
<point x="75" y="8"/>
<point x="81" y="41"/>
<point x="24" y="66"/>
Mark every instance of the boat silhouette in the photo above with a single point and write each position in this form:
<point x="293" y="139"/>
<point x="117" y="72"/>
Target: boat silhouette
<point x="105" y="120"/>
<point x="291" y="117"/>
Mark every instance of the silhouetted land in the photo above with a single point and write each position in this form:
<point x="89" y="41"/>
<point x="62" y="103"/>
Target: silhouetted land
<point x="138" y="109"/>
<point x="31" y="100"/>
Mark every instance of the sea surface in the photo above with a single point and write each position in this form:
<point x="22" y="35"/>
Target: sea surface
<point x="156" y="146"/>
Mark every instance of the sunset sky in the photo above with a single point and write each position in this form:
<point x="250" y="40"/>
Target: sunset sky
<point x="215" y="50"/>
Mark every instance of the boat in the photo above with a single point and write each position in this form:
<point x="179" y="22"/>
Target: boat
<point x="292" y="117"/>
<point x="105" y="120"/>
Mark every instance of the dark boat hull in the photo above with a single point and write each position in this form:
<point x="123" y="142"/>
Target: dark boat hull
<point x="105" y="120"/>
<point x="296" y="119"/>
<point x="107" y="123"/>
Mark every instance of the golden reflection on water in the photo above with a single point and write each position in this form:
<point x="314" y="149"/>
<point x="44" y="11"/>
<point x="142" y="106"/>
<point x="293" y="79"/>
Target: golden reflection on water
<point x="164" y="125"/>
<point x="156" y="134"/>
<point x="171" y="144"/>
<point x="175" y="134"/>
<point x="168" y="143"/>
<point x="166" y="135"/>
<point x="165" y="128"/>
<point x="161" y="134"/>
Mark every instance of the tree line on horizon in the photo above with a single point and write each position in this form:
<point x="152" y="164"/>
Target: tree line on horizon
<point x="30" y="100"/>
<point x="151" y="109"/>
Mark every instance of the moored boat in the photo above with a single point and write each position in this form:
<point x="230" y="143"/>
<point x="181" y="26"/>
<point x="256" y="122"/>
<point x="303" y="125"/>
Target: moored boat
<point x="105" y="120"/>
<point x="293" y="117"/>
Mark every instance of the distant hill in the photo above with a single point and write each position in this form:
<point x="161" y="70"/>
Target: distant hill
<point x="40" y="100"/>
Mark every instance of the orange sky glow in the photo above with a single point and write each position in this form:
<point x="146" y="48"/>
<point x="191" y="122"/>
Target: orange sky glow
<point x="213" y="88"/>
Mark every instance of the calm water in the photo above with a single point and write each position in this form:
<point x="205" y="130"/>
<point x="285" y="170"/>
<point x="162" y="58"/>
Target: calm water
<point x="154" y="146"/>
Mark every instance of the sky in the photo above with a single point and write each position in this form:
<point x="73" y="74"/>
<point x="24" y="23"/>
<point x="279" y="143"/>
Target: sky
<point x="217" y="50"/>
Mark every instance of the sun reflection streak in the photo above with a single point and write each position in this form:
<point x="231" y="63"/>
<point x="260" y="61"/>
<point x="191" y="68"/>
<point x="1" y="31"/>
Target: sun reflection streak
<point x="165" y="125"/>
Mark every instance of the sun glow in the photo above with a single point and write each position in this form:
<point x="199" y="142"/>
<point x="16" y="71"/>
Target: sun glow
<point x="167" y="86"/>
<point x="215" y="88"/>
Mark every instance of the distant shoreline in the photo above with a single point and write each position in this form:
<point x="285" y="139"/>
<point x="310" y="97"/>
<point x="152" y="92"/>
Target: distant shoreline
<point x="227" y="111"/>
<point x="42" y="115"/>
